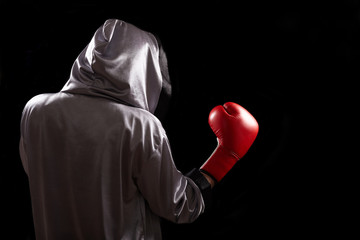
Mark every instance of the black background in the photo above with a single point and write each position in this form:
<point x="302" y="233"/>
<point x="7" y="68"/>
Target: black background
<point x="292" y="64"/>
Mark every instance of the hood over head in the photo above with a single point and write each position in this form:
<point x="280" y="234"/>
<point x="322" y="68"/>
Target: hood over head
<point x="122" y="63"/>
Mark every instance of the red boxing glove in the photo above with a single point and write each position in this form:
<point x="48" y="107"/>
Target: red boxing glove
<point x="236" y="130"/>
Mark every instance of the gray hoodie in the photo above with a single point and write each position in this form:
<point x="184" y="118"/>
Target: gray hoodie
<point x="98" y="161"/>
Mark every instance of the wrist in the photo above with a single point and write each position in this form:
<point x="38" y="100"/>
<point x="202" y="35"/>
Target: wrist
<point x="209" y="179"/>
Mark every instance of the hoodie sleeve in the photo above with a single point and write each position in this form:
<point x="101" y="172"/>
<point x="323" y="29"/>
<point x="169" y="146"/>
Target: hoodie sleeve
<point x="23" y="156"/>
<point x="169" y="193"/>
<point x="22" y="151"/>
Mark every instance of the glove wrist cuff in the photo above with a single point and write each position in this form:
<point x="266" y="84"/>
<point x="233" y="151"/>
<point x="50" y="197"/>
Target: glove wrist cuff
<point x="219" y="163"/>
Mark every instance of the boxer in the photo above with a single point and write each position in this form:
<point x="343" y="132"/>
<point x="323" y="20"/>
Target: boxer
<point x="96" y="155"/>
